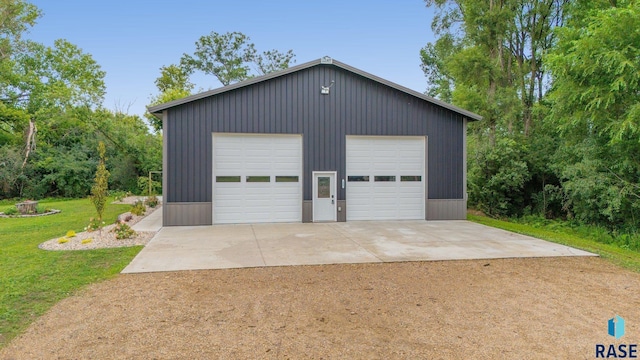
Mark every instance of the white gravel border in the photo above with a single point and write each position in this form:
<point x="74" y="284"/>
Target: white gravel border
<point x="101" y="240"/>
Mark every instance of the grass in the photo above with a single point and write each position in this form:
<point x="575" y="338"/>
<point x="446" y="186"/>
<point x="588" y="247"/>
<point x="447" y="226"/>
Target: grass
<point x="576" y="238"/>
<point x="33" y="280"/>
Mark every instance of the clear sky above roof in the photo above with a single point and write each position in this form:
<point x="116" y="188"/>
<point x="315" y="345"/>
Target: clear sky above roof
<point x="132" y="39"/>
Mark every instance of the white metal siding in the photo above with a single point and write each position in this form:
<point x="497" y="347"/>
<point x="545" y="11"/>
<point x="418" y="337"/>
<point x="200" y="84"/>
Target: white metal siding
<point x="385" y="156"/>
<point x="257" y="155"/>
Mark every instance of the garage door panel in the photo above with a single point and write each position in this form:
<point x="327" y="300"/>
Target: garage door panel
<point x="385" y="156"/>
<point x="257" y="155"/>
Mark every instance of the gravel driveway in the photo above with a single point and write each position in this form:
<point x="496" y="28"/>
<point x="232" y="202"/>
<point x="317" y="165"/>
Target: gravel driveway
<point x="510" y="308"/>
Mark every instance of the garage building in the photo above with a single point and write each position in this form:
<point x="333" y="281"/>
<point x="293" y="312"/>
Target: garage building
<point x="321" y="141"/>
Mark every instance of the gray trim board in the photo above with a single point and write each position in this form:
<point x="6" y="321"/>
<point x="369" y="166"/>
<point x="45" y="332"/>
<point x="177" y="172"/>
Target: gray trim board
<point x="157" y="109"/>
<point x="447" y="209"/>
<point x="186" y="214"/>
<point x="307" y="211"/>
<point x="342" y="210"/>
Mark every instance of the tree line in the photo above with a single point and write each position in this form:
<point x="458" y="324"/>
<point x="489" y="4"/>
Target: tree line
<point x="558" y="85"/>
<point x="52" y="118"/>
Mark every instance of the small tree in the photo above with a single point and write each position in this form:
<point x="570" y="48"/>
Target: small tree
<point x="100" y="185"/>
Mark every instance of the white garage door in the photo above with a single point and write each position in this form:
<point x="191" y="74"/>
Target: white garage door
<point x="385" y="178"/>
<point x="257" y="178"/>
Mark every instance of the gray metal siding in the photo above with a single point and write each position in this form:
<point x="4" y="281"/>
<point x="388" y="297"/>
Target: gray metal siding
<point x="292" y="104"/>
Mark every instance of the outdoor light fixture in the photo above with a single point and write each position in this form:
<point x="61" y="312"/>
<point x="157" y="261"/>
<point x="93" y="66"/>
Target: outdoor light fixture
<point x="324" y="90"/>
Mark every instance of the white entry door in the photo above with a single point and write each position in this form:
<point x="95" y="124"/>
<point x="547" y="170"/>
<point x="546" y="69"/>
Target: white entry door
<point x="324" y="196"/>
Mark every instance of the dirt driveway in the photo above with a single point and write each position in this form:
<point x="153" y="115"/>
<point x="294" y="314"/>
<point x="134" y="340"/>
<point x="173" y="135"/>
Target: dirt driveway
<point x="552" y="308"/>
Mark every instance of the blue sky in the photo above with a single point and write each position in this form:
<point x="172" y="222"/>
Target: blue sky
<point x="132" y="39"/>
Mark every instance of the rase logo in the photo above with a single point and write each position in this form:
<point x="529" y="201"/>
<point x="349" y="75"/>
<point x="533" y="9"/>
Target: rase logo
<point x="615" y="328"/>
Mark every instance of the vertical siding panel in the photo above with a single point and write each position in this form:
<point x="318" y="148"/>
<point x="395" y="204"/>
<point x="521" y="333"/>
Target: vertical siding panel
<point x="185" y="153"/>
<point x="244" y="104"/>
<point x="294" y="119"/>
<point x="194" y="155"/>
<point x="182" y="155"/>
<point x="170" y="133"/>
<point x="206" y="150"/>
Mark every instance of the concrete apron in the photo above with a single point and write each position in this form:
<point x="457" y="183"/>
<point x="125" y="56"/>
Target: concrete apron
<point x="239" y="246"/>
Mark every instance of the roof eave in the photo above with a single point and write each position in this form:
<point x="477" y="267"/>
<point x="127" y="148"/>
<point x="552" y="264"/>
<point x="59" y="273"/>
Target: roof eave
<point x="399" y="87"/>
<point x="156" y="110"/>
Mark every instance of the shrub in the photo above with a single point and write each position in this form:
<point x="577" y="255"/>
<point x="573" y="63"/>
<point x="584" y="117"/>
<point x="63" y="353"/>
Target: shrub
<point x="497" y="178"/>
<point x="63" y="240"/>
<point x="100" y="186"/>
<point x="71" y="234"/>
<point x="143" y="185"/>
<point x="123" y="231"/>
<point x="94" y="224"/>
<point x="138" y="208"/>
<point x="119" y="194"/>
<point x="11" y="211"/>
<point x="87" y="240"/>
<point x="151" y="201"/>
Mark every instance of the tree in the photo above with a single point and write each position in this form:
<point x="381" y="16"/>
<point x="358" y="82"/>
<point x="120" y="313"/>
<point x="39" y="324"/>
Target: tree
<point x="164" y="97"/>
<point x="488" y="58"/>
<point x="100" y="186"/>
<point x="596" y="87"/>
<point x="173" y="84"/>
<point x="17" y="17"/>
<point x="273" y="60"/>
<point x="229" y="58"/>
<point x="50" y="96"/>
<point x="225" y="56"/>
<point x="173" y="77"/>
<point x="50" y="80"/>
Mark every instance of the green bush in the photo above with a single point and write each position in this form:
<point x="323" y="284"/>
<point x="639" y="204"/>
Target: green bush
<point x="11" y="211"/>
<point x="123" y="231"/>
<point x="497" y="178"/>
<point x="151" y="201"/>
<point x="143" y="185"/>
<point x="60" y="171"/>
<point x="118" y="195"/>
<point x="138" y="208"/>
<point x="94" y="225"/>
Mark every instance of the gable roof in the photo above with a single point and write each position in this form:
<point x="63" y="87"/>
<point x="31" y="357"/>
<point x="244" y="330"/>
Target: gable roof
<point x="157" y="109"/>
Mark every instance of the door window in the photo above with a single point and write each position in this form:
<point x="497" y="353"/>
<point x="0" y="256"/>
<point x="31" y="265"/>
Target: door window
<point x="324" y="187"/>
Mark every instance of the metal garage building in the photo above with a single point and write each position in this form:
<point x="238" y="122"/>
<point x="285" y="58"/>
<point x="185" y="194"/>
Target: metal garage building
<point x="321" y="141"/>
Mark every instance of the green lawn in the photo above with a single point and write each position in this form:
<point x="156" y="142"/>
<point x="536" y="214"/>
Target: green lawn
<point x="32" y="280"/>
<point x="623" y="257"/>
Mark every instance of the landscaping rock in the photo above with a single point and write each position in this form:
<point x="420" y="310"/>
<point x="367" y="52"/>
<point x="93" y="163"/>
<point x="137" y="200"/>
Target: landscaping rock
<point x="100" y="239"/>
<point x="124" y="218"/>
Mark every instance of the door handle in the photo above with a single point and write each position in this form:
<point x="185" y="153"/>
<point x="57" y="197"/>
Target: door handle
<point x="332" y="201"/>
